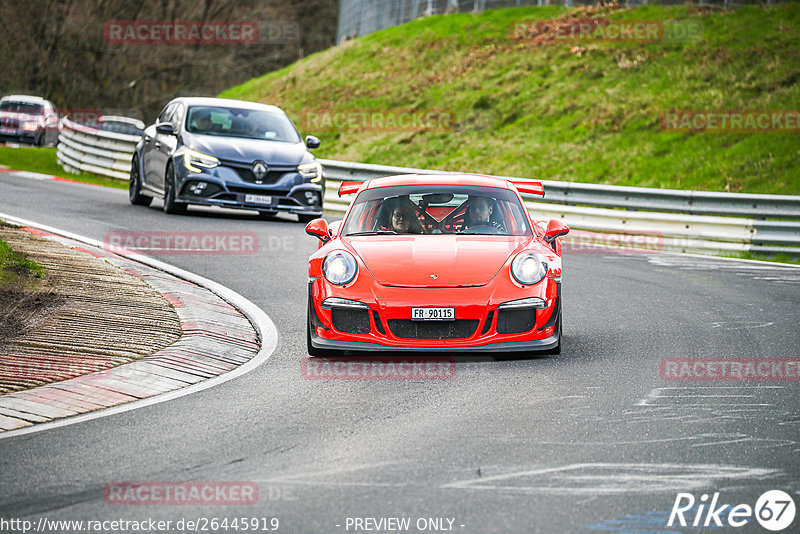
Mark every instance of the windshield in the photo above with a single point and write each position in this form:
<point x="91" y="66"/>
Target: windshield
<point x="437" y="209"/>
<point x="247" y="123"/>
<point x="21" y="107"/>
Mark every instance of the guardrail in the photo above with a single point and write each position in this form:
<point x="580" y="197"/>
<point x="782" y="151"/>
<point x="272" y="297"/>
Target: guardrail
<point x="85" y="149"/>
<point x="685" y="221"/>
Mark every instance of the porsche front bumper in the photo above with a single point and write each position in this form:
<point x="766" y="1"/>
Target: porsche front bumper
<point x="383" y="325"/>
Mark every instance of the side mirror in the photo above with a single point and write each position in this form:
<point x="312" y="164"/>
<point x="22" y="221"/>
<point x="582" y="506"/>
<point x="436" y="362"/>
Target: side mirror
<point x="312" y="142"/>
<point x="52" y="120"/>
<point x="555" y="228"/>
<point x="319" y="229"/>
<point x="165" y="128"/>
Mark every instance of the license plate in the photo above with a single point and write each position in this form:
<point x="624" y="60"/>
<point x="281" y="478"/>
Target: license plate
<point x="433" y="314"/>
<point x="7" y="130"/>
<point x="258" y="199"/>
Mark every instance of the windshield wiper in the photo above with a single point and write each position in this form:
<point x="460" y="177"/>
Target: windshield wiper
<point x="375" y="232"/>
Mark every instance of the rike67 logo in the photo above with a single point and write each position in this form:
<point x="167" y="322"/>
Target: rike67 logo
<point x="774" y="510"/>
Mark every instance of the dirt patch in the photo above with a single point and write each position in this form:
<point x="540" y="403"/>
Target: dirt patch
<point x="22" y="310"/>
<point x="79" y="316"/>
<point x="26" y="299"/>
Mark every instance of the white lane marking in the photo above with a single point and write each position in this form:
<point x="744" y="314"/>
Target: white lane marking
<point x="718" y="439"/>
<point x="754" y="269"/>
<point x="267" y="332"/>
<point x="677" y="259"/>
<point x="657" y="393"/>
<point x="31" y="175"/>
<point x="739" y="325"/>
<point x="627" y="442"/>
<point x="744" y="438"/>
<point x="785" y="280"/>
<point x="614" y="478"/>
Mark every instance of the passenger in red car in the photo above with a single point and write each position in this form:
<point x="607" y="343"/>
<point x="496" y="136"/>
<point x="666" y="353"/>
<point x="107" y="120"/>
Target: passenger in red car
<point x="404" y="220"/>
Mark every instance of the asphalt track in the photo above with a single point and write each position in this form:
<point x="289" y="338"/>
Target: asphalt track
<point x="591" y="440"/>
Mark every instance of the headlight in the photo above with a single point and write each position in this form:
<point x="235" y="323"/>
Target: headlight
<point x="30" y="126"/>
<point x="193" y="159"/>
<point x="335" y="302"/>
<point x="529" y="268"/>
<point x="531" y="302"/>
<point x="312" y="171"/>
<point x="339" y="267"/>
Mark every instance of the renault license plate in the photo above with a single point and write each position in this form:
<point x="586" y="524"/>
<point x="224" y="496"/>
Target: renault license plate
<point x="258" y="199"/>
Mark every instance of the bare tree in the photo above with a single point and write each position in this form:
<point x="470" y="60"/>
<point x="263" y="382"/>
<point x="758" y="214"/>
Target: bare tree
<point x="58" y="49"/>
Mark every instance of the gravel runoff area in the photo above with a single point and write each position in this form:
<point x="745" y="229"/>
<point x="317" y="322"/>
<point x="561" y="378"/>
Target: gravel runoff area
<point x="92" y="316"/>
<point x="110" y="330"/>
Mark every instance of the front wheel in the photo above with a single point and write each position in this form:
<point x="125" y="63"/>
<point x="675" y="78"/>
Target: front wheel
<point x="267" y="215"/>
<point x="135" y="184"/>
<point x="171" y="205"/>
<point x="557" y="348"/>
<point x="312" y="351"/>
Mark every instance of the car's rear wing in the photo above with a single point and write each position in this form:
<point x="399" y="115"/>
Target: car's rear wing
<point x="530" y="187"/>
<point x="348" y="188"/>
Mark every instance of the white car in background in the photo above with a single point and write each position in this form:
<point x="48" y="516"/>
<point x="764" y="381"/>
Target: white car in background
<point x="28" y="119"/>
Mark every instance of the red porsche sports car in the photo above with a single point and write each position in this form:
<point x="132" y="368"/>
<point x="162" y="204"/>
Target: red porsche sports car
<point x="436" y="263"/>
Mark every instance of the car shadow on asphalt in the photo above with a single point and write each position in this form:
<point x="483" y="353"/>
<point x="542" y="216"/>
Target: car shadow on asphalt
<point x="458" y="357"/>
<point x="207" y="212"/>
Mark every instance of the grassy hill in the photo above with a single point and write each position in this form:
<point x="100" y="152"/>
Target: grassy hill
<point x="559" y="109"/>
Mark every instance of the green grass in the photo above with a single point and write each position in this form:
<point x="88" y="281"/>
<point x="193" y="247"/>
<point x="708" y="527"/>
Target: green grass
<point x="586" y="112"/>
<point x="44" y="161"/>
<point x="16" y="269"/>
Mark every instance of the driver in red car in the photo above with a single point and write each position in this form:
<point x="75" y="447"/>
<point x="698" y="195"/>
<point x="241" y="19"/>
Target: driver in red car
<point x="479" y="213"/>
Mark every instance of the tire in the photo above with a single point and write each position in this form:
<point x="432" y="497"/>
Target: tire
<point x="557" y="348"/>
<point x="312" y="351"/>
<point x="39" y="140"/>
<point x="267" y="215"/>
<point x="171" y="206"/>
<point x="306" y="218"/>
<point x="135" y="184"/>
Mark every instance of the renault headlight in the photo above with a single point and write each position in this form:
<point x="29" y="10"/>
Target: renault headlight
<point x="193" y="160"/>
<point x="339" y="267"/>
<point x="310" y="171"/>
<point x="529" y="268"/>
